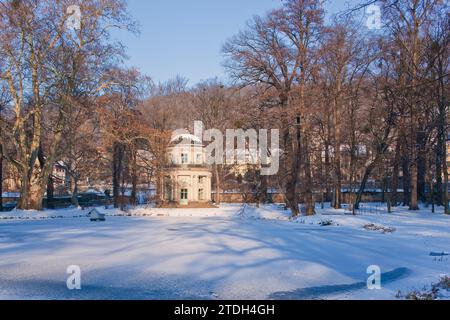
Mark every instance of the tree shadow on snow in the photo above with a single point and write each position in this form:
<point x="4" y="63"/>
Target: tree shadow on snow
<point x="323" y="291"/>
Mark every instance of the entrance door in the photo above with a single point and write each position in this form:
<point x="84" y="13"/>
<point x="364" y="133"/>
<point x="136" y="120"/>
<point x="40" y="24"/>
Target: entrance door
<point x="184" y="197"/>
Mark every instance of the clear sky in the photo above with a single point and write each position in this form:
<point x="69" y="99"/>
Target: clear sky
<point x="185" y="36"/>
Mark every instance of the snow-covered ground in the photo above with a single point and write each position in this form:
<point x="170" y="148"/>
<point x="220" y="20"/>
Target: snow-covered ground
<point x="226" y="253"/>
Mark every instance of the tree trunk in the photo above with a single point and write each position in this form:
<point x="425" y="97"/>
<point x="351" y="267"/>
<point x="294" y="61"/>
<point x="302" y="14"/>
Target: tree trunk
<point x="218" y="185"/>
<point x="291" y="162"/>
<point x="291" y="197"/>
<point x="74" y="190"/>
<point x="388" y="194"/>
<point x="322" y="182"/>
<point x="327" y="173"/>
<point x="134" y="178"/>
<point x="1" y="183"/>
<point x="118" y="151"/>
<point x="442" y="131"/>
<point x="292" y="185"/>
<point x="32" y="191"/>
<point x="395" y="175"/>
<point x="446" y="207"/>
<point x="431" y="196"/>
<point x="362" y="187"/>
<point x="421" y="177"/>
<point x="406" y="181"/>
<point x="263" y="193"/>
<point x="439" y="174"/>
<point x="414" y="205"/>
<point x="338" y="175"/>
<point x="160" y="188"/>
<point x="308" y="196"/>
<point x="413" y="103"/>
<point x="1" y="167"/>
<point x="50" y="192"/>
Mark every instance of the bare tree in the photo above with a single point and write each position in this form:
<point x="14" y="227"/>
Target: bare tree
<point x="438" y="41"/>
<point x="347" y="58"/>
<point x="407" y="20"/>
<point x="278" y="51"/>
<point x="122" y="127"/>
<point x="213" y="105"/>
<point x="46" y="65"/>
<point x="79" y="151"/>
<point x="4" y="100"/>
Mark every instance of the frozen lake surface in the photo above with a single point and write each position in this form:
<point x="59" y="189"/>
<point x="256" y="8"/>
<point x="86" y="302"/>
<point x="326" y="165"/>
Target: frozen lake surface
<point x="225" y="253"/>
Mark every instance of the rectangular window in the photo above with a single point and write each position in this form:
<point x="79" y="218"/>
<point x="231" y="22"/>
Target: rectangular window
<point x="184" y="158"/>
<point x="184" y="194"/>
<point x="201" y="194"/>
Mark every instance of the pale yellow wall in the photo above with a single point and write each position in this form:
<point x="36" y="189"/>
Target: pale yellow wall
<point x="196" y="155"/>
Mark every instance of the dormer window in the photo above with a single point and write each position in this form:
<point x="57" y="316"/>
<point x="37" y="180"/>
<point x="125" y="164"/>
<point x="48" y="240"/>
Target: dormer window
<point x="184" y="158"/>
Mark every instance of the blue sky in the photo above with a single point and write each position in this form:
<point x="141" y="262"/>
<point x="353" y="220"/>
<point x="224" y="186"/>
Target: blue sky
<point x="185" y="36"/>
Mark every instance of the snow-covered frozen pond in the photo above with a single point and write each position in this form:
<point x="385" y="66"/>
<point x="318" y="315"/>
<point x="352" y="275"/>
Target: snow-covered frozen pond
<point x="224" y="254"/>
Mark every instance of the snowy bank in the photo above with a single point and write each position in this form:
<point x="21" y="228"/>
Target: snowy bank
<point x="227" y="253"/>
